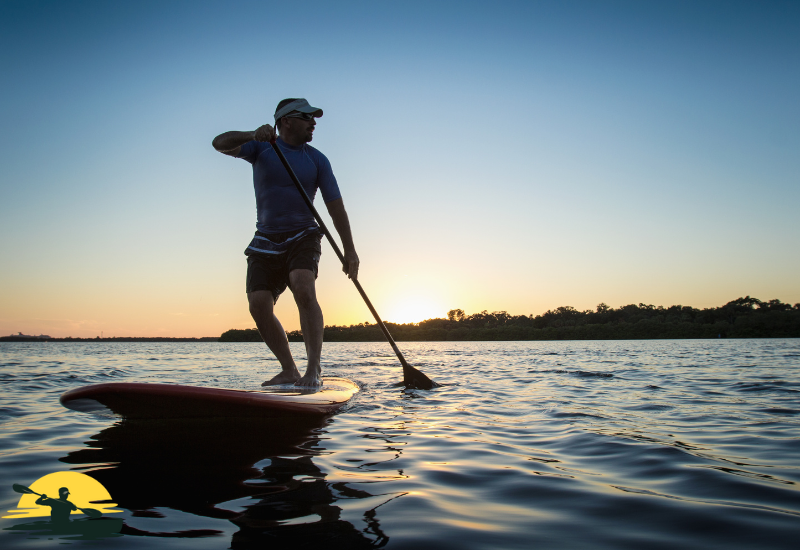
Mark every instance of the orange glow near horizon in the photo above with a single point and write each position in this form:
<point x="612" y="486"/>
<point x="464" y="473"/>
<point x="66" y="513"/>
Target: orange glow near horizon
<point x="414" y="309"/>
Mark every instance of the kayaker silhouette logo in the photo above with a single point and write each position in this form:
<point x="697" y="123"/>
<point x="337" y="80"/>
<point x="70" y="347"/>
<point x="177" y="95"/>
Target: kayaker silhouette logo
<point x="61" y="494"/>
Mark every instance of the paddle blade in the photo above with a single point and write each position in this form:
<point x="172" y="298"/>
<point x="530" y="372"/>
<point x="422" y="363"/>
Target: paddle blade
<point x="416" y="379"/>
<point x="91" y="512"/>
<point x="22" y="489"/>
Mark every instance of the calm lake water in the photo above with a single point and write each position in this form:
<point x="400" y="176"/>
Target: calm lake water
<point x="625" y="444"/>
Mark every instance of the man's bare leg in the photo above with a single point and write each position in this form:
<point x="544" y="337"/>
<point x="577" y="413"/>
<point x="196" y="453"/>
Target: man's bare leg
<point x="303" y="285"/>
<point x="262" y="305"/>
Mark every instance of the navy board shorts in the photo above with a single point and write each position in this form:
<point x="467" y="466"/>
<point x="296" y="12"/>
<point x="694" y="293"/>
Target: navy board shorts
<point x="271" y="271"/>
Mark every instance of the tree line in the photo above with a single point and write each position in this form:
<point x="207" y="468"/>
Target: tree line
<point x="741" y="318"/>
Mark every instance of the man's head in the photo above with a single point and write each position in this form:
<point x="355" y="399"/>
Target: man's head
<point x="295" y="120"/>
<point x="63" y="493"/>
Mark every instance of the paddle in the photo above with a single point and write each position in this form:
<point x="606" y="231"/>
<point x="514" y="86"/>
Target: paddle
<point x="412" y="378"/>
<point x="91" y="512"/>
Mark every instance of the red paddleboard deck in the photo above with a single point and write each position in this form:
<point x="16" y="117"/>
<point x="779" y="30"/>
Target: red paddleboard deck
<point x="144" y="400"/>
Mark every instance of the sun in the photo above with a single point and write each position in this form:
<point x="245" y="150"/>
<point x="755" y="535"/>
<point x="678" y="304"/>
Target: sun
<point x="413" y="310"/>
<point x="85" y="492"/>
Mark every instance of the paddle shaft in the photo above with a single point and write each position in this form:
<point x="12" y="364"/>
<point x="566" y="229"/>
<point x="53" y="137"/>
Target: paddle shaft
<point x="411" y="377"/>
<point x="22" y="489"/>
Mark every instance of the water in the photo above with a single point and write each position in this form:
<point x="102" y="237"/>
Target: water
<point x="632" y="444"/>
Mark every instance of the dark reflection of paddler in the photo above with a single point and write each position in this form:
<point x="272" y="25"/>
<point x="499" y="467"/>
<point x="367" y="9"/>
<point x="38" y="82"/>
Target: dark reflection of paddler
<point x="303" y="493"/>
<point x="60" y="508"/>
<point x="195" y="465"/>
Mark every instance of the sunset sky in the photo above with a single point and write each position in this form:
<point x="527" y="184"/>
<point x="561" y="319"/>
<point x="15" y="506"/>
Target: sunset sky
<point x="514" y="156"/>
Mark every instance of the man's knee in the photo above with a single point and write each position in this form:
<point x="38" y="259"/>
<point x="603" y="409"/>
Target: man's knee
<point x="261" y="302"/>
<point x="303" y="285"/>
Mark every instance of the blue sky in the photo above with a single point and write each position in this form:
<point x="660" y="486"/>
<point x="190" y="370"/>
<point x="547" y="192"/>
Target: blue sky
<point x="513" y="156"/>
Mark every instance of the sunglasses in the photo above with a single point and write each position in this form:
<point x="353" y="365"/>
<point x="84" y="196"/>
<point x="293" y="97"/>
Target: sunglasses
<point x="303" y="116"/>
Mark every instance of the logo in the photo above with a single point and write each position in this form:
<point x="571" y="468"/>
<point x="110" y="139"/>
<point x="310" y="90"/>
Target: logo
<point x="60" y="495"/>
<point x="65" y="506"/>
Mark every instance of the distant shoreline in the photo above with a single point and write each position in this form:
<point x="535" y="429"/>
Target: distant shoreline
<point x="741" y="318"/>
<point x="475" y="338"/>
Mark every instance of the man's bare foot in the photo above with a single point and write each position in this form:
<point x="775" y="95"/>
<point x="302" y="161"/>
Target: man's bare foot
<point x="283" y="378"/>
<point x="311" y="379"/>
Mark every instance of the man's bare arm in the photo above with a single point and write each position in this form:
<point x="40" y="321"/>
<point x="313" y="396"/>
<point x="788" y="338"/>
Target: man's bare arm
<point x="342" y="224"/>
<point x="230" y="143"/>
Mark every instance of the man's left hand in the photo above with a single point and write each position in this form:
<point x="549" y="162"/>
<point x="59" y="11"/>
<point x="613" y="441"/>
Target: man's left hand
<point x="352" y="263"/>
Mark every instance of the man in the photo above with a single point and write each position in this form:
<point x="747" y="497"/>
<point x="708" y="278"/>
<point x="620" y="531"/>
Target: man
<point x="60" y="507"/>
<point x="286" y="247"/>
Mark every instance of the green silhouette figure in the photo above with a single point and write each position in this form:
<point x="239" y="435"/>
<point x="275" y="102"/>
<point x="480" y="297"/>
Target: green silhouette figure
<point x="60" y="507"/>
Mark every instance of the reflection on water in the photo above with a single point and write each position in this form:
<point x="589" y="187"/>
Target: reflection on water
<point x="81" y="529"/>
<point x="198" y="466"/>
<point x="546" y="445"/>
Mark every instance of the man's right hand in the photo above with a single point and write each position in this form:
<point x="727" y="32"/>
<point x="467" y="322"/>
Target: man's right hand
<point x="265" y="133"/>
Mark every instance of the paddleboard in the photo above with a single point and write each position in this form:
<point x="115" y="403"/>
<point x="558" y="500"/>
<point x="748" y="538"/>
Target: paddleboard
<point x="145" y="400"/>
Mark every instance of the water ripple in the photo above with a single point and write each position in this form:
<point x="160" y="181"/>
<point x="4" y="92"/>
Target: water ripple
<point x="526" y="444"/>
